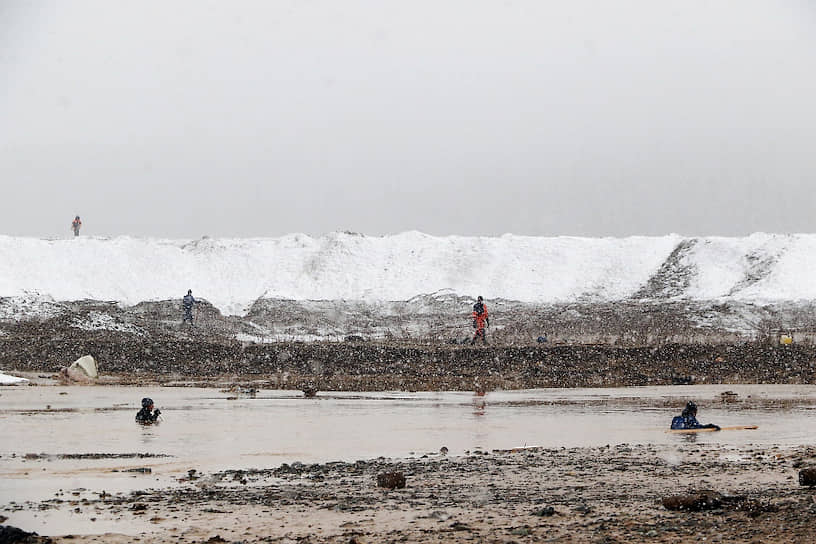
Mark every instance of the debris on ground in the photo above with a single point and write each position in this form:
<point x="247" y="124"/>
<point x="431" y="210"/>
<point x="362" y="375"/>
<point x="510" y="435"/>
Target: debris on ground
<point x="391" y="480"/>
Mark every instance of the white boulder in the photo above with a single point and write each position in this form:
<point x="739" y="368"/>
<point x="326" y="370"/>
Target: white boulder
<point x="85" y="369"/>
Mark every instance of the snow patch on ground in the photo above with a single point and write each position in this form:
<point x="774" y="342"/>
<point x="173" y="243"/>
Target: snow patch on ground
<point x="29" y="306"/>
<point x="5" y="379"/>
<point x="282" y="337"/>
<point x="96" y="321"/>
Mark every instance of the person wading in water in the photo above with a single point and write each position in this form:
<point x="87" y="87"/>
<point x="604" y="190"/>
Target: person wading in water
<point x="688" y="419"/>
<point x="147" y="416"/>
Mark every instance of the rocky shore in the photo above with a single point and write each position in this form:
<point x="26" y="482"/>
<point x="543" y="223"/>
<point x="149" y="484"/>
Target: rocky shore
<point x="612" y="494"/>
<point x="357" y="365"/>
<point x="420" y="344"/>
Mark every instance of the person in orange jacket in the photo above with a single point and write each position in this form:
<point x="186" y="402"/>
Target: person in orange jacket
<point x="480" y="319"/>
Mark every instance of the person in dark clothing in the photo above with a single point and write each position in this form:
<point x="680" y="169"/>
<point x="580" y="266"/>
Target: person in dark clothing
<point x="688" y="419"/>
<point x="480" y="320"/>
<point x="76" y="224"/>
<point x="188" y="301"/>
<point x="147" y="416"/>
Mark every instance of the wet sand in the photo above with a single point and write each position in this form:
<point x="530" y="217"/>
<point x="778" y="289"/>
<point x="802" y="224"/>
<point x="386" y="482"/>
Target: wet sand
<point x="606" y="494"/>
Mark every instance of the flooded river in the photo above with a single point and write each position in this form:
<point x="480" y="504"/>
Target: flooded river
<point x="208" y="429"/>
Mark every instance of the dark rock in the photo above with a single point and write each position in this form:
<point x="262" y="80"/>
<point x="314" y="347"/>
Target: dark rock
<point x="728" y="397"/>
<point x="14" y="535"/>
<point x="754" y="508"/>
<point x="807" y="476"/>
<point x="694" y="502"/>
<point x="309" y="391"/>
<point x="546" y="511"/>
<point x="682" y="380"/>
<point x="391" y="480"/>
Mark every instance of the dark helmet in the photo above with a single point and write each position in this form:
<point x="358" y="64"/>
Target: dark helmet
<point x="479" y="298"/>
<point x="147" y="402"/>
<point x="189" y="291"/>
<point x="77" y="217"/>
<point x="690" y="409"/>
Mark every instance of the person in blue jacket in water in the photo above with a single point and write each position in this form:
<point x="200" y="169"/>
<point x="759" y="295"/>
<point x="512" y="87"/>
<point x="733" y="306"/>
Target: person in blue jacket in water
<point x="688" y="419"/>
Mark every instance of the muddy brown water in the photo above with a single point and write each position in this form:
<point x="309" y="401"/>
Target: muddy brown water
<point x="209" y="430"/>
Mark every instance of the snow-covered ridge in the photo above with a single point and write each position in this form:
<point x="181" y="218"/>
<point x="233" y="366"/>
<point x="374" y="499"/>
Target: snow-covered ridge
<point x="233" y="273"/>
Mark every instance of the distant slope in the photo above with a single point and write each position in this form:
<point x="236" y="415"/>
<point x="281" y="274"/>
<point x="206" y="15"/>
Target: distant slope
<point x="234" y="273"/>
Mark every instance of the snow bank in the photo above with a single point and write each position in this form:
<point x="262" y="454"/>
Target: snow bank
<point x="28" y="306"/>
<point x="761" y="267"/>
<point x="5" y="379"/>
<point x="233" y="273"/>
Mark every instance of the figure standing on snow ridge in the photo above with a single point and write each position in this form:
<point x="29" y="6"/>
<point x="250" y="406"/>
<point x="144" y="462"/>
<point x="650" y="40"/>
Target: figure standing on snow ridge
<point x="75" y="225"/>
<point x="479" y="320"/>
<point x="144" y="416"/>
<point x="188" y="301"/>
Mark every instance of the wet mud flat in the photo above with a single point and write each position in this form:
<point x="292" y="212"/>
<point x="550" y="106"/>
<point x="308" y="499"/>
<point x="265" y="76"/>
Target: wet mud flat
<point x="605" y="494"/>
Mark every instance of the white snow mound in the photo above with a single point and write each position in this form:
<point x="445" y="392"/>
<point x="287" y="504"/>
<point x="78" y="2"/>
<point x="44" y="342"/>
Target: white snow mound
<point x="233" y="273"/>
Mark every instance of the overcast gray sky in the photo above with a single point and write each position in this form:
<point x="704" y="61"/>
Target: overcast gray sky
<point x="473" y="117"/>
